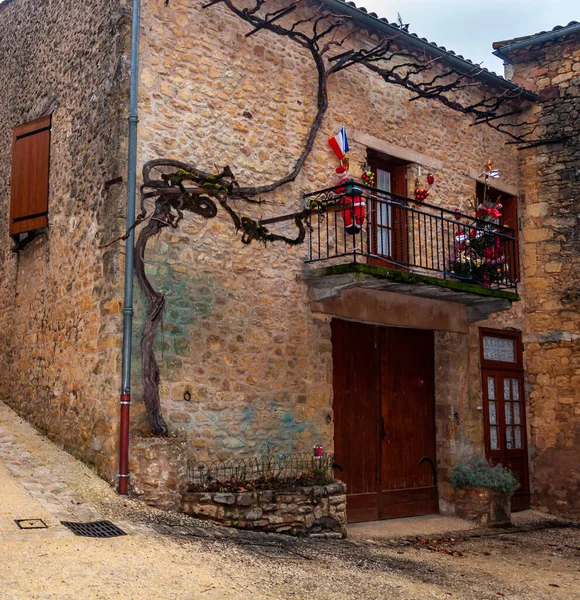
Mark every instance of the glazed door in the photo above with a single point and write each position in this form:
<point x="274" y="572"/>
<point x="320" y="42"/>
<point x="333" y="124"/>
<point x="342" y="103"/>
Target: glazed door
<point x="407" y="477"/>
<point x="504" y="407"/>
<point x="387" y="217"/>
<point x="384" y="419"/>
<point x="505" y="424"/>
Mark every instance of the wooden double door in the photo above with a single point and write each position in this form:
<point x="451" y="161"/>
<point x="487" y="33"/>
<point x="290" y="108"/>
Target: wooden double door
<point x="384" y="419"/>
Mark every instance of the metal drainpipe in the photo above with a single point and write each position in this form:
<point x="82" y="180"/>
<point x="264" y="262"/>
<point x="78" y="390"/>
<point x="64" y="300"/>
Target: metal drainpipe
<point x="125" y="401"/>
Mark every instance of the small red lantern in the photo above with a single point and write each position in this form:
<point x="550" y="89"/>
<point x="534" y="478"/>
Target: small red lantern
<point x="430" y="178"/>
<point x="457" y="214"/>
<point x="318" y="451"/>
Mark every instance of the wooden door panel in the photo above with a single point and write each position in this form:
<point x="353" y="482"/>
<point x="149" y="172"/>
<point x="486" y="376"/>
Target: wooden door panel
<point x="356" y="414"/>
<point x="384" y="419"/>
<point x="409" y="502"/>
<point x="408" y="413"/>
<point x="362" y="507"/>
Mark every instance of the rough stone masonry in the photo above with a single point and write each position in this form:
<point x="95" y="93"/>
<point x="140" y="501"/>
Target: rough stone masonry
<point x="239" y="334"/>
<point x="550" y="179"/>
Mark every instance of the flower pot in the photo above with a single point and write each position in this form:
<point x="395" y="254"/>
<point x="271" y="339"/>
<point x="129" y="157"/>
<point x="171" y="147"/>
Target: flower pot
<point x="484" y="505"/>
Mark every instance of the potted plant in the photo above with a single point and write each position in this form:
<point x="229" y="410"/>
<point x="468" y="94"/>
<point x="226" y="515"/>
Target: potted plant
<point x="482" y="492"/>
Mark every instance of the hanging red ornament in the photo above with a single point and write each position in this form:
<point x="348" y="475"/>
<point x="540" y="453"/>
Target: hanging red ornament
<point x="421" y="194"/>
<point x="457" y="214"/>
<point x="430" y="178"/>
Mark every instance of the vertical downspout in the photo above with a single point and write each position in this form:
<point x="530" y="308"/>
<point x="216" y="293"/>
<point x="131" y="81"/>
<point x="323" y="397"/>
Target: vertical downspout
<point x="125" y="401"/>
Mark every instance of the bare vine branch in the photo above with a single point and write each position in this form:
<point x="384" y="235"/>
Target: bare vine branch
<point x="177" y="187"/>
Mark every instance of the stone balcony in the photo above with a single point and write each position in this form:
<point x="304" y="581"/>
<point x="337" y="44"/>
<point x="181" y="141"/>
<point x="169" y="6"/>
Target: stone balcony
<point x="364" y="238"/>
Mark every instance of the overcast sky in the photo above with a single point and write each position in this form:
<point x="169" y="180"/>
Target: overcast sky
<point x="469" y="27"/>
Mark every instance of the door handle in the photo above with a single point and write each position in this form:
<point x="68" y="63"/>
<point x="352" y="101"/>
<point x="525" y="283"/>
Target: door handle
<point x="433" y="468"/>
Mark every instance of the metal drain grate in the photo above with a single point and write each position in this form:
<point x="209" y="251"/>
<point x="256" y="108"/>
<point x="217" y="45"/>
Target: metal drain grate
<point x="97" y="529"/>
<point x="31" y="523"/>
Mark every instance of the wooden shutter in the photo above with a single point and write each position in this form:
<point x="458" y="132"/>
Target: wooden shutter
<point x="29" y="187"/>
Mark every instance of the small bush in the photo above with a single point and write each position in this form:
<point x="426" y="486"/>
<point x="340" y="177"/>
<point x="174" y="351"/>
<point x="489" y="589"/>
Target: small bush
<point x="479" y="473"/>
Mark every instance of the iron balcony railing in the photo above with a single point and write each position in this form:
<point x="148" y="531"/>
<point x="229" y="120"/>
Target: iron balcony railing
<point x="376" y="227"/>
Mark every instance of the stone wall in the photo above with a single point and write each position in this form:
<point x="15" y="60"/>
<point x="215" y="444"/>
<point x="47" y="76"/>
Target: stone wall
<point x="550" y="179"/>
<point x="60" y="297"/>
<point x="315" y="511"/>
<point x="239" y="334"/>
<point x="158" y="468"/>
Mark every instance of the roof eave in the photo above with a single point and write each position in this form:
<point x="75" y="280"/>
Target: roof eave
<point x="533" y="40"/>
<point x="456" y="62"/>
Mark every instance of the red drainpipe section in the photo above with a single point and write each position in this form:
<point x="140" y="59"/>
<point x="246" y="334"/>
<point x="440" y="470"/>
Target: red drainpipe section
<point x="125" y="403"/>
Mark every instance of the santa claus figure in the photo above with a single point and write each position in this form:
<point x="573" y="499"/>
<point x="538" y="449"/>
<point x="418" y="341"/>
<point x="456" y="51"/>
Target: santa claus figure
<point x="353" y="211"/>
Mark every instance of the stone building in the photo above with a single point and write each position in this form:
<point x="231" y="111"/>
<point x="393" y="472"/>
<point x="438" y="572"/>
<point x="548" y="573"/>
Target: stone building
<point x="384" y="350"/>
<point x="548" y="64"/>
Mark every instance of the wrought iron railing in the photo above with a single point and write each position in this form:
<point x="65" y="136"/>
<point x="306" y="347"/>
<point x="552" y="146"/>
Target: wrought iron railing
<point x="261" y="472"/>
<point x="372" y="226"/>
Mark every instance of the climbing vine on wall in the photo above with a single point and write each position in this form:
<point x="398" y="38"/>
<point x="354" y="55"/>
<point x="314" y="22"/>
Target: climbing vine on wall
<point x="171" y="188"/>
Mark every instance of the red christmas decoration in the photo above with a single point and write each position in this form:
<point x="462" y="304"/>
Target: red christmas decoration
<point x="368" y="177"/>
<point x="422" y="193"/>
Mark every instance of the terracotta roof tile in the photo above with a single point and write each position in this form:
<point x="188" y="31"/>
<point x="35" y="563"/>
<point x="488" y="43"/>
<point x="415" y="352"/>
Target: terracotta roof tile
<point x="559" y="28"/>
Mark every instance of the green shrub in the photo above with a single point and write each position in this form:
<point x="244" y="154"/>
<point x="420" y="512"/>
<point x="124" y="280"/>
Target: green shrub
<point x="479" y="473"/>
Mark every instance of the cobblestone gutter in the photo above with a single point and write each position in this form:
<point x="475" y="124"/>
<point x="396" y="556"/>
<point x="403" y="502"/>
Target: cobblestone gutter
<point x="315" y="511"/>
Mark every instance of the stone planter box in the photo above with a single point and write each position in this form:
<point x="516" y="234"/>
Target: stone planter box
<point x="316" y="511"/>
<point x="484" y="505"/>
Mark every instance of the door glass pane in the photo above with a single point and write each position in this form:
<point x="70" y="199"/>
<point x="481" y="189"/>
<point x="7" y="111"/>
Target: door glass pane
<point x="516" y="388"/>
<point x="519" y="443"/>
<point x="493" y="438"/>
<point x="517" y="414"/>
<point x="508" y="413"/>
<point x="509" y="437"/>
<point x="492" y="414"/>
<point x="491" y="388"/>
<point x="383" y="214"/>
<point x="506" y="389"/>
<point x="502" y="349"/>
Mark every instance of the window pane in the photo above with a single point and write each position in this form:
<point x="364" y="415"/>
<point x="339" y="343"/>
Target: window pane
<point x="491" y="388"/>
<point x="383" y="214"/>
<point x="517" y="414"/>
<point x="493" y="438"/>
<point x="501" y="349"/>
<point x="516" y="388"/>
<point x="506" y="389"/>
<point x="509" y="437"/>
<point x="508" y="413"/>
<point x="492" y="414"/>
<point x="519" y="443"/>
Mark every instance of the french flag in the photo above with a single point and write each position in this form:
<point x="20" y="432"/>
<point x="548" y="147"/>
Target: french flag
<point x="339" y="143"/>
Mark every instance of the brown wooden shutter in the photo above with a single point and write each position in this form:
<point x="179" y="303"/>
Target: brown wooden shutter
<point x="399" y="184"/>
<point x="30" y="164"/>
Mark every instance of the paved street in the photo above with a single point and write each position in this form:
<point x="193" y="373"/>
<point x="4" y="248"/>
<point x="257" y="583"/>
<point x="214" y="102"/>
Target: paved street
<point x="168" y="556"/>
